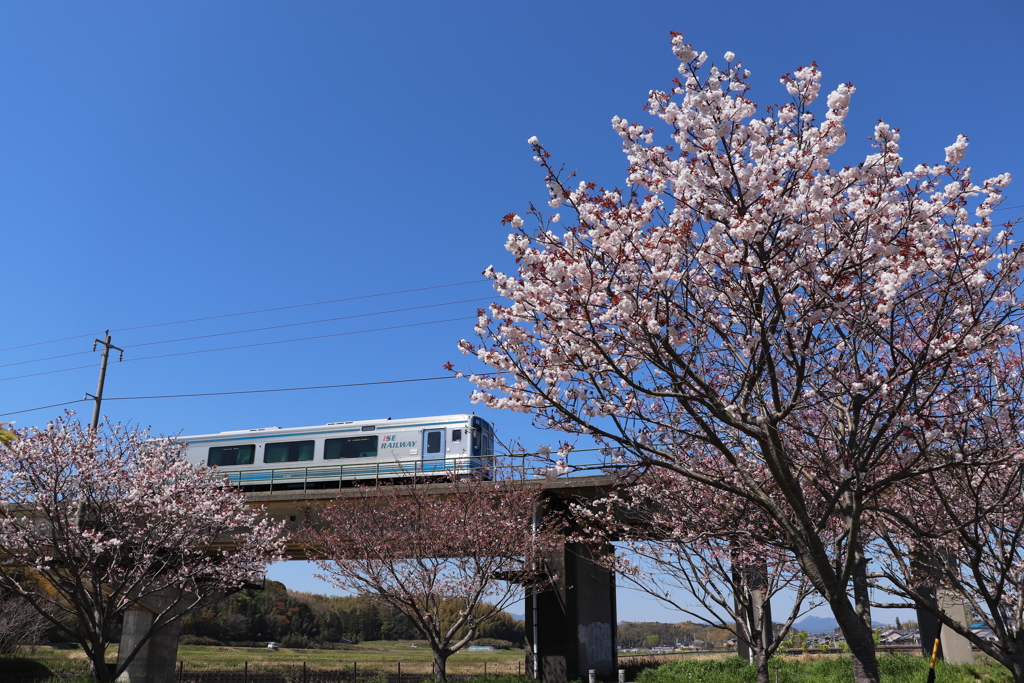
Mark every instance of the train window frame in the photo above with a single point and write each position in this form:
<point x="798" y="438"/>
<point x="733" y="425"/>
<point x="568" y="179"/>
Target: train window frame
<point x="330" y="443"/>
<point x="303" y="450"/>
<point x="235" y="461"/>
<point x="433" y="442"/>
<point x="456" y="436"/>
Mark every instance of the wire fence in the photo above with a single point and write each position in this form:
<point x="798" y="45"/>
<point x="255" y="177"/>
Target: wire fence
<point x="12" y="671"/>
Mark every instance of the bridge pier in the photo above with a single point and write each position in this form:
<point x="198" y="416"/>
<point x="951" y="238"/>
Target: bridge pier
<point x="156" y="660"/>
<point x="570" y="627"/>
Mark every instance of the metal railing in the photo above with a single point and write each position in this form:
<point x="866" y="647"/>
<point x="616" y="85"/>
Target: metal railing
<point x="300" y="478"/>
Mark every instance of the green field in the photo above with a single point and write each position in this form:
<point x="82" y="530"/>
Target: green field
<point x="414" y="657"/>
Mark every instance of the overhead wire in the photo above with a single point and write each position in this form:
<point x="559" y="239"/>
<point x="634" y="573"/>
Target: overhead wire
<point x="246" y="346"/>
<point x="288" y="341"/>
<point x="269" y="391"/>
<point x="259" y="329"/>
<point x="31" y="410"/>
<point x="40" y="360"/>
<point x="308" y="322"/>
<point x="253" y="312"/>
<point x="248" y="391"/>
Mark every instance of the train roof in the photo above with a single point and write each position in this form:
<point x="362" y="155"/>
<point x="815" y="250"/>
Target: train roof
<point x="351" y="425"/>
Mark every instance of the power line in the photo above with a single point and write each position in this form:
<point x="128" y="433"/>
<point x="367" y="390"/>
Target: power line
<point x="248" y="391"/>
<point x="55" y="405"/>
<point x="263" y="310"/>
<point x="48" y="372"/>
<point x="268" y="391"/>
<point x="260" y="329"/>
<point x="284" y="308"/>
<point x="288" y="341"/>
<point x="309" y="322"/>
<point x="40" y="360"/>
<point x="246" y="346"/>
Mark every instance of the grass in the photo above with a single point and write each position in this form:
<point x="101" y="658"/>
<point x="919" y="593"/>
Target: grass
<point x="897" y="668"/>
<point x="383" y="656"/>
<point x="504" y="665"/>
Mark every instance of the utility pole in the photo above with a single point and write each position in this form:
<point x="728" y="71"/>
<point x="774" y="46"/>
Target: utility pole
<point x="98" y="398"/>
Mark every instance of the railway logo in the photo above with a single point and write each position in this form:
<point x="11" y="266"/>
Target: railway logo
<point x="391" y="441"/>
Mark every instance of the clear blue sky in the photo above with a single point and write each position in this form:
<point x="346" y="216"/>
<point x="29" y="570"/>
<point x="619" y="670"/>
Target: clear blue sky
<point x="162" y="162"/>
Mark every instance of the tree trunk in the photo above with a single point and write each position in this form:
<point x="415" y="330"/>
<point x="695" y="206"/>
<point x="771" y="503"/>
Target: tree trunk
<point x="859" y="637"/>
<point x="441" y="665"/>
<point x="761" y="663"/>
<point x="1016" y="663"/>
<point x="98" y="661"/>
<point x="861" y="594"/>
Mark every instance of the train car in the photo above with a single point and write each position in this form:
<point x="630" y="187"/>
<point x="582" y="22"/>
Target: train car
<point x="341" y="453"/>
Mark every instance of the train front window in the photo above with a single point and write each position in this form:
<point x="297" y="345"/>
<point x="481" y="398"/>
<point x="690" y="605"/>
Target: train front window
<point x="231" y="455"/>
<point x="482" y="438"/>
<point x="289" y="451"/>
<point x="355" y="447"/>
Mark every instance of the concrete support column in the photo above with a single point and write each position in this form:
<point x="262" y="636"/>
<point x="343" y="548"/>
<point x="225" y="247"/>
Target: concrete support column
<point x="570" y="627"/>
<point x="953" y="647"/>
<point x="156" y="660"/>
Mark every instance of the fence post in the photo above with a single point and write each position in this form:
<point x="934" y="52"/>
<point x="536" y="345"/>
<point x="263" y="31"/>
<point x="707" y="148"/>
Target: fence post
<point x="622" y="676"/>
<point x="181" y="672"/>
<point x="593" y="676"/>
<point x="245" y="672"/>
<point x="303" y="672"/>
<point x="485" y="668"/>
<point x="399" y="671"/>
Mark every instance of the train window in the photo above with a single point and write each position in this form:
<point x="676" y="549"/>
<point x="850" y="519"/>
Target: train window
<point x="483" y="438"/>
<point x="289" y="451"/>
<point x="231" y="455"/>
<point x="433" y="442"/>
<point x="355" y="447"/>
<point x="456" y="435"/>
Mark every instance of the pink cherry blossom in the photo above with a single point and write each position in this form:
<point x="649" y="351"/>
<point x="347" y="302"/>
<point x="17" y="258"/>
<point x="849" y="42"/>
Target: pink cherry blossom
<point x="802" y="336"/>
<point x="107" y="518"/>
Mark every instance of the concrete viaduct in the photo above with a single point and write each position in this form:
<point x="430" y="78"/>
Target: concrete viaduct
<point x="570" y="628"/>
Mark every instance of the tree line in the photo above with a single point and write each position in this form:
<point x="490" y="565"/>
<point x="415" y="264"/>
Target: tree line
<point x="296" y="619"/>
<point x="646" y="634"/>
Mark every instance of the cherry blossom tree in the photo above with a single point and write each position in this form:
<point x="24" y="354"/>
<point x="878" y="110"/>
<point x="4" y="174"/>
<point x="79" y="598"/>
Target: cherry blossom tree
<point x="97" y="522"/>
<point x="424" y="547"/>
<point x="960" y="530"/>
<point x="747" y="315"/>
<point x="726" y="557"/>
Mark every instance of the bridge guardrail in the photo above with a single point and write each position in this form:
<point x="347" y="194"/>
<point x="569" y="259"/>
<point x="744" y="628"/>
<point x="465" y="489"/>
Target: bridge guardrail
<point x="295" y="478"/>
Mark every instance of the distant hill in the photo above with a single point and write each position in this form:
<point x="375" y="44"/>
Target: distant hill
<point x="814" y="624"/>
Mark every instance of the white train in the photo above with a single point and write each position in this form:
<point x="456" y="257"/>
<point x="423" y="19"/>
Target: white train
<point x="328" y="456"/>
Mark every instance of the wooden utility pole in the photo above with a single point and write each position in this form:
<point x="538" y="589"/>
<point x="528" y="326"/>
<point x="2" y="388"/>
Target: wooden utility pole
<point x="98" y="398"/>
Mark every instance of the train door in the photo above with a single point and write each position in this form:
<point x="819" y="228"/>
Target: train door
<point x="433" y="449"/>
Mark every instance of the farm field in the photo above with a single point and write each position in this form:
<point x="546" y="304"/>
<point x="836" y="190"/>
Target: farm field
<point x="414" y="657"/>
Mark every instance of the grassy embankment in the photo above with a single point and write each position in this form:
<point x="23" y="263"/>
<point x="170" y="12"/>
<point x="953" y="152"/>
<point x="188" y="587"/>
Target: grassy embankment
<point x="896" y="668"/>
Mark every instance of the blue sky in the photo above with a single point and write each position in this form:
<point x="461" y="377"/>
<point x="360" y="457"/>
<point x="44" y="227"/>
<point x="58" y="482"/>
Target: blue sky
<point x="164" y="162"/>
